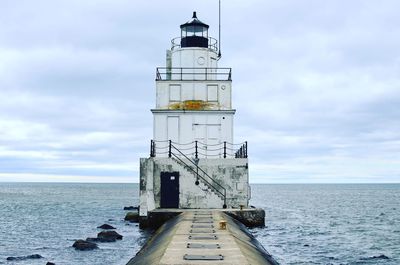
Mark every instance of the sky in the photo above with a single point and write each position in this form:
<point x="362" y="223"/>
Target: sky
<point x="316" y="86"/>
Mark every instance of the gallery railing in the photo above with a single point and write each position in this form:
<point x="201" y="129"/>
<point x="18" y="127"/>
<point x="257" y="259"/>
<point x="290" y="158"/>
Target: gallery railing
<point x="198" y="149"/>
<point x="193" y="74"/>
<point x="212" y="43"/>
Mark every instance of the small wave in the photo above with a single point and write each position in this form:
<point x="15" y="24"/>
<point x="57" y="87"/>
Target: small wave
<point x="376" y="257"/>
<point x="44" y="248"/>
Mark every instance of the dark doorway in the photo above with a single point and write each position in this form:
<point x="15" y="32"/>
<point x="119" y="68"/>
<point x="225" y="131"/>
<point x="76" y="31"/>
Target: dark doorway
<point x="169" y="190"/>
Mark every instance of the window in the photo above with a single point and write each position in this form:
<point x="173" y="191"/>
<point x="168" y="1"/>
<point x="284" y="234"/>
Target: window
<point x="174" y="93"/>
<point x="212" y="93"/>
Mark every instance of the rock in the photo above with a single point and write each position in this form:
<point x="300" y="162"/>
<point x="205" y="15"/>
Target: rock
<point x="106" y="226"/>
<point x="84" y="245"/>
<point x="131" y="208"/>
<point x="109" y="235"/>
<point x="132" y="217"/>
<point x="50" y="263"/>
<point x="101" y="240"/>
<point x="34" y="256"/>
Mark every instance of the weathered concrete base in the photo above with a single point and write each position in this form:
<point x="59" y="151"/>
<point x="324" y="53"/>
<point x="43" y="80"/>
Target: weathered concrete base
<point x="156" y="219"/>
<point x="170" y="243"/>
<point x="226" y="182"/>
<point x="250" y="217"/>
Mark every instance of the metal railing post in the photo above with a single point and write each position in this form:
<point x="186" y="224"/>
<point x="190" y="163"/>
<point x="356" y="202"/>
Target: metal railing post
<point x="169" y="149"/>
<point x="225" y="149"/>
<point x="245" y="149"/>
<point x="196" y="154"/>
<point x="224" y="206"/>
<point x="151" y="148"/>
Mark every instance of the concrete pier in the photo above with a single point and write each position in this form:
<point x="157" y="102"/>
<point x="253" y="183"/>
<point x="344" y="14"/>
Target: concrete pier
<point x="250" y="217"/>
<point x="195" y="237"/>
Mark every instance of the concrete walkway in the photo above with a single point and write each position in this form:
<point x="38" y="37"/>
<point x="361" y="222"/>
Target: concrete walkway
<point x="195" y="237"/>
<point x="198" y="240"/>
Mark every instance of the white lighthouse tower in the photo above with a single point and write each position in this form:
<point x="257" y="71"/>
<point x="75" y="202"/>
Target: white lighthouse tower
<point x="193" y="161"/>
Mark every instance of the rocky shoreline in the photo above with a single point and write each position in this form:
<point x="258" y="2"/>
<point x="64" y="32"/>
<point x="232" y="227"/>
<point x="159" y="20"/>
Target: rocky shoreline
<point x="107" y="235"/>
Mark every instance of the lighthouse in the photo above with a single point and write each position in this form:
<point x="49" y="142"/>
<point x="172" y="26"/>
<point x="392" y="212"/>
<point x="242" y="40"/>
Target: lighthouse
<point x="194" y="162"/>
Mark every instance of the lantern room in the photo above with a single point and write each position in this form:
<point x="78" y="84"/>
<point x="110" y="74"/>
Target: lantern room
<point x="194" y="33"/>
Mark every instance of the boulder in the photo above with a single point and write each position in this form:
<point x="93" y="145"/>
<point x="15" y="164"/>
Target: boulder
<point x="84" y="245"/>
<point x="131" y="208"/>
<point x="132" y="217"/>
<point x="101" y="240"/>
<point x="109" y="235"/>
<point x="34" y="256"/>
<point x="106" y="227"/>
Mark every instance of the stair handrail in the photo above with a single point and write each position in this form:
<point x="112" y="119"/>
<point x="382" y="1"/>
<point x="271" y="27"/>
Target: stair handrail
<point x="196" y="172"/>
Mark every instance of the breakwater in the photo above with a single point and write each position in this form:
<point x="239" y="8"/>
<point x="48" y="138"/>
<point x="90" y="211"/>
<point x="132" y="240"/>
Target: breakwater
<point x="202" y="237"/>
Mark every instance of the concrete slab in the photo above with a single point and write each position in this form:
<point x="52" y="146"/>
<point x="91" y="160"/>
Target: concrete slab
<point x="169" y="245"/>
<point x="177" y="248"/>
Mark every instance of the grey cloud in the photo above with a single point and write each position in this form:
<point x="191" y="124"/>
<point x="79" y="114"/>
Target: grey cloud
<point x="315" y="85"/>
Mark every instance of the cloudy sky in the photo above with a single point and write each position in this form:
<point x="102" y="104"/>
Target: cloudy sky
<point x="316" y="86"/>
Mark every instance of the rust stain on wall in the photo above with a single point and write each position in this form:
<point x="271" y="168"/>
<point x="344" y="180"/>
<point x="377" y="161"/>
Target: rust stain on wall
<point x="192" y="105"/>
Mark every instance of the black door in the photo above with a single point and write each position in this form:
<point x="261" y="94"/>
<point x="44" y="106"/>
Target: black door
<point x="169" y="190"/>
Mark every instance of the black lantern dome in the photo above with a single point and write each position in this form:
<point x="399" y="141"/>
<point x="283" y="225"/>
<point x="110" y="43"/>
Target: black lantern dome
<point x="194" y="33"/>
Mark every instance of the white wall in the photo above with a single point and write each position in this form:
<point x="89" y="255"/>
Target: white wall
<point x="208" y="127"/>
<point x="194" y="57"/>
<point x="193" y="90"/>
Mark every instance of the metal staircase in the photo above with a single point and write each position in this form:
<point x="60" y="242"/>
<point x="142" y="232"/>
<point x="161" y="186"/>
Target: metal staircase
<point x="192" y="167"/>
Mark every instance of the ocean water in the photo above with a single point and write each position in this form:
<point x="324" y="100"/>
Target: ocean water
<point x="306" y="224"/>
<point x="330" y="224"/>
<point x="46" y="219"/>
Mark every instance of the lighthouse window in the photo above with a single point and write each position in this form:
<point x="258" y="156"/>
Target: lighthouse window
<point x="174" y="93"/>
<point x="194" y="31"/>
<point x="212" y="93"/>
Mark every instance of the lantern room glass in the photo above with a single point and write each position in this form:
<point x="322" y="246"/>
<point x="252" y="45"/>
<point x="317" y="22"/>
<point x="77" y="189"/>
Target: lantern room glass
<point x="198" y="31"/>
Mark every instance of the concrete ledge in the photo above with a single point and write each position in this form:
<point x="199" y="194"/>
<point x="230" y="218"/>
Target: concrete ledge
<point x="250" y="217"/>
<point x="253" y="250"/>
<point x="253" y="217"/>
<point x="156" y="219"/>
<point x="154" y="249"/>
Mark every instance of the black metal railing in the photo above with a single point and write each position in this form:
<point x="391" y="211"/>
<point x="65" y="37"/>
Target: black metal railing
<point x="242" y="152"/>
<point x="212" y="43"/>
<point x="193" y="74"/>
<point x="199" y="149"/>
<point x="207" y="180"/>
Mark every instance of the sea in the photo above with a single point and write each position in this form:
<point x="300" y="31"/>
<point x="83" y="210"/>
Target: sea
<point x="305" y="223"/>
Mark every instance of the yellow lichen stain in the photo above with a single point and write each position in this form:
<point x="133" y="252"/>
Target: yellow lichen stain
<point x="191" y="105"/>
